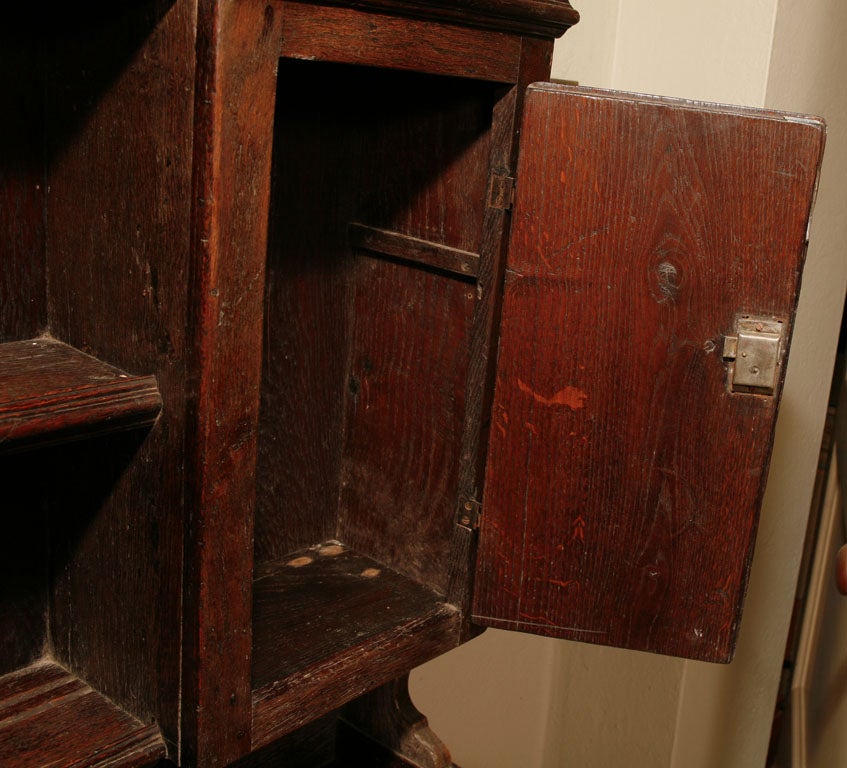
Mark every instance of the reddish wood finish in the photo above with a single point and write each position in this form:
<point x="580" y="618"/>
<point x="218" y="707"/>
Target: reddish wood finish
<point x="48" y="717"/>
<point x="624" y="479"/>
<point x="237" y="51"/>
<point x="307" y="254"/>
<point x="353" y="37"/>
<point x="50" y="392"/>
<point x="332" y="337"/>
<point x="404" y="417"/>
<point x="536" y="57"/>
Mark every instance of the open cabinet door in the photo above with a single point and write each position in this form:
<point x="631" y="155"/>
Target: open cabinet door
<point x="650" y="290"/>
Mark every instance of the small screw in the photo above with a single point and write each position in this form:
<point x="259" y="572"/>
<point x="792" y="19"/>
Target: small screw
<point x="759" y="326"/>
<point x="466" y="520"/>
<point x="468" y="506"/>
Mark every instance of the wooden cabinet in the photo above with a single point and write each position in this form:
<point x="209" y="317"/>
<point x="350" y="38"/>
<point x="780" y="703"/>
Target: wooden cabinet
<point x="301" y="352"/>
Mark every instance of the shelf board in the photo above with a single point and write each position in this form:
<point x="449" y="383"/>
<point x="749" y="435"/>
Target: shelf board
<point x="50" y="718"/>
<point x="52" y="393"/>
<point x="330" y="624"/>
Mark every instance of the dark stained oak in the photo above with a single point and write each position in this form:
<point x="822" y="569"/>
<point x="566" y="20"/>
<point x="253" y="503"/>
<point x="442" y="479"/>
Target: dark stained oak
<point x="624" y="476"/>
<point x="331" y="624"/>
<point x="48" y="717"/>
<point x="51" y="392"/>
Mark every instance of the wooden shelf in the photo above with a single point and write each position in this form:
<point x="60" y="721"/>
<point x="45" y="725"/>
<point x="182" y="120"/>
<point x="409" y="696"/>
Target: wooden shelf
<point x="330" y="624"/>
<point x="52" y="393"/>
<point x="49" y="717"/>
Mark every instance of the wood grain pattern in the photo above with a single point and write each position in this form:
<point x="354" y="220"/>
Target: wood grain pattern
<point x="349" y="36"/>
<point x="536" y="58"/>
<point x="48" y="717"/>
<point x="51" y="392"/>
<point x="545" y="18"/>
<point x="237" y="54"/>
<point x="404" y="417"/>
<point x="347" y="624"/>
<point x="624" y="478"/>
<point x="339" y="132"/>
<point x="118" y="111"/>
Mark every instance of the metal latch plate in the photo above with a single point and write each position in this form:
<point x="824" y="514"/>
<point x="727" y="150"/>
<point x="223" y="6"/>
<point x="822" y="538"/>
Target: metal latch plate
<point x="756" y="350"/>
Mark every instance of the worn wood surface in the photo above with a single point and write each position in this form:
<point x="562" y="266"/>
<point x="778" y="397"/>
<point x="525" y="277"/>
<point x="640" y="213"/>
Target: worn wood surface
<point x="545" y="18"/>
<point x="50" y="392"/>
<point x="404" y="417"/>
<point x="349" y="36"/>
<point x="48" y="717"/>
<point x="624" y="477"/>
<point x="118" y="107"/>
<point x="346" y="624"/>
<point x="237" y="53"/>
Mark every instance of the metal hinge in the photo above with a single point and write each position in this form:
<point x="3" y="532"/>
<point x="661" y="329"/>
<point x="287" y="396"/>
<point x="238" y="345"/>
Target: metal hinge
<point x="755" y="354"/>
<point x="468" y="513"/>
<point x="501" y="192"/>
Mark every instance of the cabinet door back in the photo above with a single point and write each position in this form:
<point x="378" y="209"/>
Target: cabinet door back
<point x="625" y="469"/>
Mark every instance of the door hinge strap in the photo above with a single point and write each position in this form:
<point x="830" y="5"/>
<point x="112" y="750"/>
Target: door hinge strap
<point x="468" y="512"/>
<point x="501" y="192"/>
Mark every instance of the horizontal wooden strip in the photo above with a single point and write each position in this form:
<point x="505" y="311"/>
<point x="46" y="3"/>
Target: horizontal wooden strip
<point x="51" y="393"/>
<point x="349" y="36"/>
<point x="50" y="717"/>
<point x="406" y="248"/>
<point x="544" y="18"/>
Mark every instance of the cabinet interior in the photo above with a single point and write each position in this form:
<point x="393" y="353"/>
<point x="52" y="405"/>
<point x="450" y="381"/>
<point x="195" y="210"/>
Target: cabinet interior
<point x="377" y="195"/>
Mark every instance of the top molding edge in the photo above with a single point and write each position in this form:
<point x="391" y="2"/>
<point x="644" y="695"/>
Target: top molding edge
<point x="539" y="18"/>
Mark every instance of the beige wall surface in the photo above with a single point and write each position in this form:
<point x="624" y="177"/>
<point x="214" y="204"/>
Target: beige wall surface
<point x="507" y="700"/>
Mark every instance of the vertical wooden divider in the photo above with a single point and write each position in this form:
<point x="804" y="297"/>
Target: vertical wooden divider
<point x="238" y="43"/>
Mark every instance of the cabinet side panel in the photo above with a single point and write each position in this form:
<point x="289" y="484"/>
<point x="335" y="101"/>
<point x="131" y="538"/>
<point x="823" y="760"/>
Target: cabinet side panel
<point x="625" y="474"/>
<point x="119" y="108"/>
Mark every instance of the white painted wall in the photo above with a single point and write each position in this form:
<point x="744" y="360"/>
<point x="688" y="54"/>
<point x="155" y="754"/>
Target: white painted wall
<point x="504" y="700"/>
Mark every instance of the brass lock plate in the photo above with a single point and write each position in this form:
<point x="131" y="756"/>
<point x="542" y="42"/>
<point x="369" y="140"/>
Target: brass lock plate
<point x="755" y="354"/>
